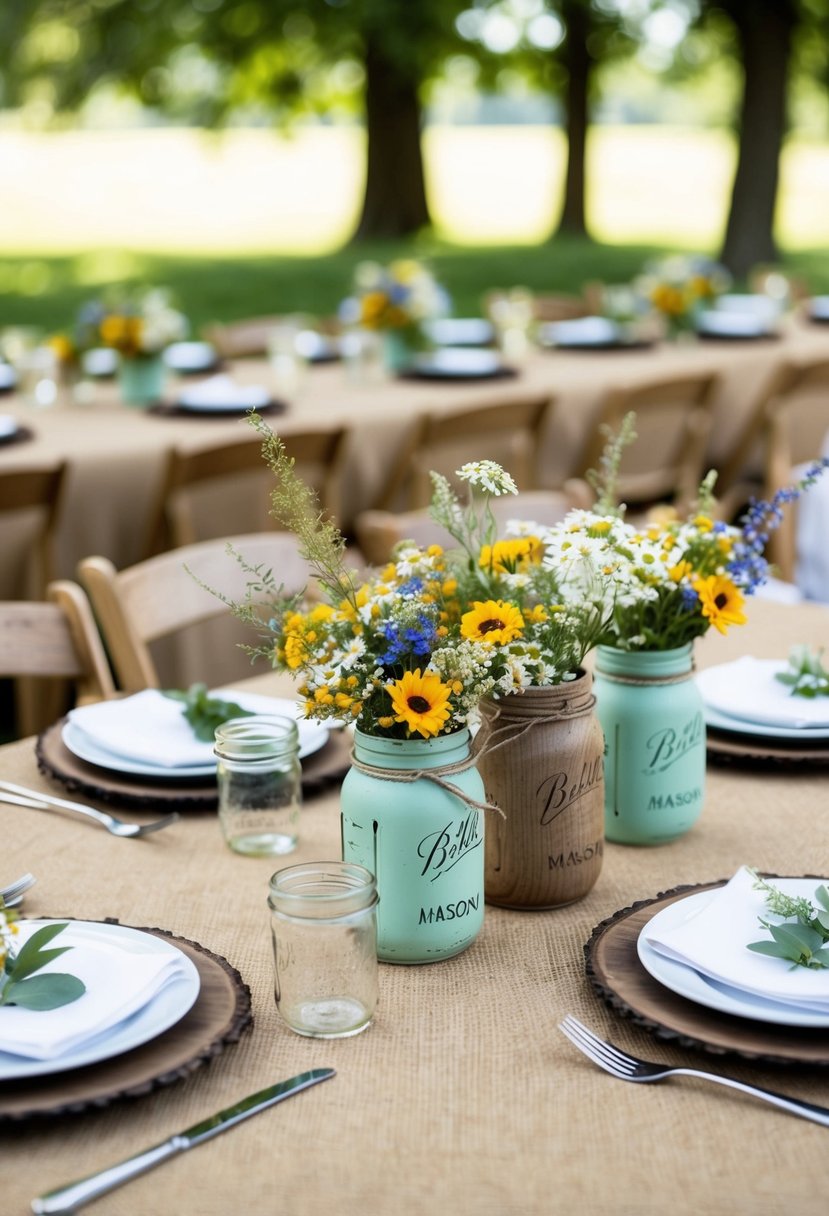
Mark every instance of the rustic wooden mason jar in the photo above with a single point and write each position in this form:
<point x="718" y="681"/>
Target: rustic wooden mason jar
<point x="540" y="754"/>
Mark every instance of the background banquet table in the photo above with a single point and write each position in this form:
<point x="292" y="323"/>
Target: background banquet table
<point x="116" y="455"/>
<point x="463" y="1097"/>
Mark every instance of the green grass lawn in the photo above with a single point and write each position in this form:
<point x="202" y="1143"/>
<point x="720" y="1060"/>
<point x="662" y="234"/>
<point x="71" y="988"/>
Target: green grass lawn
<point x="226" y="288"/>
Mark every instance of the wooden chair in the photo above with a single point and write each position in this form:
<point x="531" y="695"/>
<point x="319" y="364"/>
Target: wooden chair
<point x="53" y="641"/>
<point x="787" y="427"/>
<point x="379" y="531"/>
<point x="189" y="475"/>
<point x="508" y="431"/>
<point x="242" y="339"/>
<point x="37" y="490"/>
<point x="673" y="421"/>
<point x="167" y="595"/>
<point x="251" y="337"/>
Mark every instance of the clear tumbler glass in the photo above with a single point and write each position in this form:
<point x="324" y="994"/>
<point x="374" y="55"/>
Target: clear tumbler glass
<point x="324" y="930"/>
<point x="260" y="784"/>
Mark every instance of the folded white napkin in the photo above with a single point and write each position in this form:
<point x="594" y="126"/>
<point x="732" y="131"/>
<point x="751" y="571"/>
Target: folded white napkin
<point x="747" y="689"/>
<point x="714" y="941"/>
<point x="151" y="728"/>
<point x="118" y="984"/>
<point x="221" y="392"/>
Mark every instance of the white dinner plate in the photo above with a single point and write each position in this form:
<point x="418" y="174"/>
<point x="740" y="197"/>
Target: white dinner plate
<point x="580" y="331"/>
<point x="728" y="323"/>
<point x="458" y="362"/>
<point x="221" y="394"/>
<point x="460" y="331"/>
<point x="158" y="1015"/>
<point x="317" y="347"/>
<point x="737" y="726"/>
<point x="101" y="361"/>
<point x="312" y="736"/>
<point x="190" y="356"/>
<point x="685" y="981"/>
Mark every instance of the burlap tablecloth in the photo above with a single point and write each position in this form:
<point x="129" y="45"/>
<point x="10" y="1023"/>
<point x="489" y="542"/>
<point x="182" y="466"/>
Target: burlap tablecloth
<point x="463" y="1097"/>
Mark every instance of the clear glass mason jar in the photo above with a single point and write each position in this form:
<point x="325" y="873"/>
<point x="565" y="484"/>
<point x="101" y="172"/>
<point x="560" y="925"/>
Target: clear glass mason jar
<point x="324" y="931"/>
<point x="260" y="784"/>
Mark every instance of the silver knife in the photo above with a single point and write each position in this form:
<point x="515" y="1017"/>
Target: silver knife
<point x="76" y="1194"/>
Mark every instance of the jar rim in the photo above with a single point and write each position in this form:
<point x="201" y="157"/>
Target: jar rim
<point x="256" y="735"/>
<point x="322" y="889"/>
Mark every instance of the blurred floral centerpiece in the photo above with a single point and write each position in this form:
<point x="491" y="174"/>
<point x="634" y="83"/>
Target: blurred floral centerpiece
<point x="394" y="301"/>
<point x="678" y="287"/>
<point x="139" y="328"/>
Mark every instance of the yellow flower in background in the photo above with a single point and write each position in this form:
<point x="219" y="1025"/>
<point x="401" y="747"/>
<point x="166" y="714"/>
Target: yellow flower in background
<point x="492" y="621"/>
<point x="680" y="571"/>
<point x="122" y="333"/>
<point x="421" y="702"/>
<point x="721" y="602"/>
<point x="670" y="300"/>
<point x="510" y="556"/>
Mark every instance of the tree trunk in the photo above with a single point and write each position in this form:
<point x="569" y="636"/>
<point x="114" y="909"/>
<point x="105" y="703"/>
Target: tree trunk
<point x="764" y="29"/>
<point x="578" y="64"/>
<point x="394" y="203"/>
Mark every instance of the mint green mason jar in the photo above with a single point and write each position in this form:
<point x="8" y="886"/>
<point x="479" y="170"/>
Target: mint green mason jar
<point x="423" y="843"/>
<point x="651" y="713"/>
<point x="141" y="380"/>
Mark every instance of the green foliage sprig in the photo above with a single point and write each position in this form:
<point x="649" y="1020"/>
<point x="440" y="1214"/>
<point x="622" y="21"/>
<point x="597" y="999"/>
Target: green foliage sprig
<point x="806" y="676"/>
<point x="604" y="480"/>
<point x="205" y="713"/>
<point x="802" y="938"/>
<point x="37" y="992"/>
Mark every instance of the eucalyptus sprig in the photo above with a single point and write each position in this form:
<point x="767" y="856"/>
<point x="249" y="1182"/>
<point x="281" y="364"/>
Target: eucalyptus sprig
<point x="205" y="713"/>
<point x="803" y="937"/>
<point x="20" y="985"/>
<point x="806" y="675"/>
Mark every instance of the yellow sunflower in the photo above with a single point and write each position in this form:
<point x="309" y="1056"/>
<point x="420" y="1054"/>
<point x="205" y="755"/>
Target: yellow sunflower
<point x="509" y="556"/>
<point x="492" y="621"/>
<point x="420" y="701"/>
<point x="721" y="602"/>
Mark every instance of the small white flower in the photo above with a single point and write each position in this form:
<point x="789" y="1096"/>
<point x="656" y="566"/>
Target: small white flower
<point x="488" y="476"/>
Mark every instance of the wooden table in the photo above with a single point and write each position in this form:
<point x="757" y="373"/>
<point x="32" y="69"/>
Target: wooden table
<point x="463" y="1098"/>
<point x="116" y="454"/>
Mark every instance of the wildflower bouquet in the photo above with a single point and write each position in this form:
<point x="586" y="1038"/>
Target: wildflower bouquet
<point x="671" y="580"/>
<point x="414" y="648"/>
<point x="138" y="327"/>
<point x="677" y="287"/>
<point x="395" y="297"/>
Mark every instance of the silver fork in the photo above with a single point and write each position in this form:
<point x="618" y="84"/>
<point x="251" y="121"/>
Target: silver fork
<point x="630" y="1068"/>
<point x="18" y="795"/>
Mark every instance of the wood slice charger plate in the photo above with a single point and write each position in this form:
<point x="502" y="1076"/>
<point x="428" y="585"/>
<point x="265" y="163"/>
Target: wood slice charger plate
<point x="619" y="978"/>
<point x="55" y="760"/>
<point x="765" y="750"/>
<point x="218" y="1018"/>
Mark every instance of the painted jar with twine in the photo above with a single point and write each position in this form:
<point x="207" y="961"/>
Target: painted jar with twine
<point x="539" y="752"/>
<point x="413" y="814"/>
<point x="652" y="716"/>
